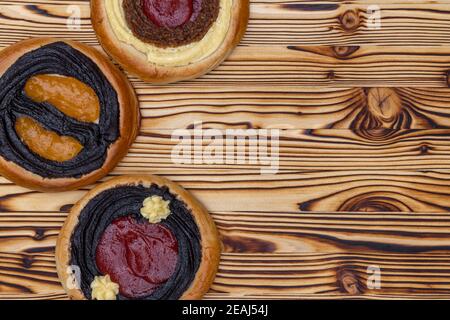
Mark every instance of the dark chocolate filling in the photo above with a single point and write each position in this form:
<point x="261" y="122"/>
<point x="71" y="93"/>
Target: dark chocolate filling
<point x="124" y="201"/>
<point x="193" y="30"/>
<point x="57" y="58"/>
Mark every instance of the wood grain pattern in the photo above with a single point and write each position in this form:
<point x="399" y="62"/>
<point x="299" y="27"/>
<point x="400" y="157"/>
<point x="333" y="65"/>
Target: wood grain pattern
<point x="278" y="22"/>
<point x="303" y="259"/>
<point x="315" y="191"/>
<point x="267" y="253"/>
<point x="271" y="232"/>
<point x="260" y="60"/>
<point x="294" y="107"/>
<point x="241" y="275"/>
<point x="314" y="149"/>
<point x="364" y="170"/>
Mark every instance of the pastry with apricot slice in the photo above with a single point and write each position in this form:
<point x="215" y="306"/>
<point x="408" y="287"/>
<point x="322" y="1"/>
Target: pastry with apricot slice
<point x="68" y="114"/>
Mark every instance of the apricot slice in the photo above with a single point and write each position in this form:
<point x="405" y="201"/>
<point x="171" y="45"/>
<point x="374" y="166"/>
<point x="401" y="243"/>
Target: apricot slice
<point x="45" y="143"/>
<point x="69" y="95"/>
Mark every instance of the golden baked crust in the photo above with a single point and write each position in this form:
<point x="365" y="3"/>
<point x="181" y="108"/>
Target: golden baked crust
<point x="210" y="243"/>
<point x="129" y="119"/>
<point x="136" y="62"/>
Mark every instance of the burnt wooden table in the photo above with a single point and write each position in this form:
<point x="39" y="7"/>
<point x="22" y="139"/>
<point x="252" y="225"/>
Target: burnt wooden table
<point x="364" y="177"/>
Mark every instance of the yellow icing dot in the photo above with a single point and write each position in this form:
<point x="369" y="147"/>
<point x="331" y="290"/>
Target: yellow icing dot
<point x="155" y="209"/>
<point x="103" y="288"/>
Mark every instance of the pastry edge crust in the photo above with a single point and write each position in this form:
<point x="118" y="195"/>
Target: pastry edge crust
<point x="210" y="243"/>
<point x="136" y="62"/>
<point x="129" y="119"/>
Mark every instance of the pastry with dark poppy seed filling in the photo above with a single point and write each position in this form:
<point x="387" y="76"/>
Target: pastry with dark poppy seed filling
<point x="163" y="41"/>
<point x="68" y="114"/>
<point x="137" y="237"/>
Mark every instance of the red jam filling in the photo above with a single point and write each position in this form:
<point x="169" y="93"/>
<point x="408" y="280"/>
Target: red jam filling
<point x="171" y="13"/>
<point x="140" y="257"/>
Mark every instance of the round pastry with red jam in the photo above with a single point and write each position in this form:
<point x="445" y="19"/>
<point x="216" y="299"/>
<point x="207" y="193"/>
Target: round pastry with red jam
<point x="68" y="114"/>
<point x="163" y="41"/>
<point x="138" y="237"/>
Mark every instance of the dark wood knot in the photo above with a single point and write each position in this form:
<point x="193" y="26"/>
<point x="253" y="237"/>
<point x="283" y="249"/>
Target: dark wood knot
<point x="374" y="202"/>
<point x="66" y="208"/>
<point x="344" y="51"/>
<point x="447" y="75"/>
<point x="39" y="234"/>
<point x="331" y="75"/>
<point x="27" y="262"/>
<point x="379" y="134"/>
<point x="424" y="149"/>
<point x="348" y="282"/>
<point x="350" y="20"/>
<point x="243" y="244"/>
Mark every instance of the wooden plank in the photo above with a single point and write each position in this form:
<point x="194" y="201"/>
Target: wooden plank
<point x="273" y="296"/>
<point x="290" y="275"/>
<point x="352" y="66"/>
<point x="318" y="191"/>
<point x="271" y="232"/>
<point x="268" y="255"/>
<point x="326" y="149"/>
<point x="321" y="149"/>
<point x="278" y="63"/>
<point x="28" y="274"/>
<point x="340" y="66"/>
<point x="294" y="107"/>
<point x="368" y="66"/>
<point x="33" y="296"/>
<point x="273" y="22"/>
